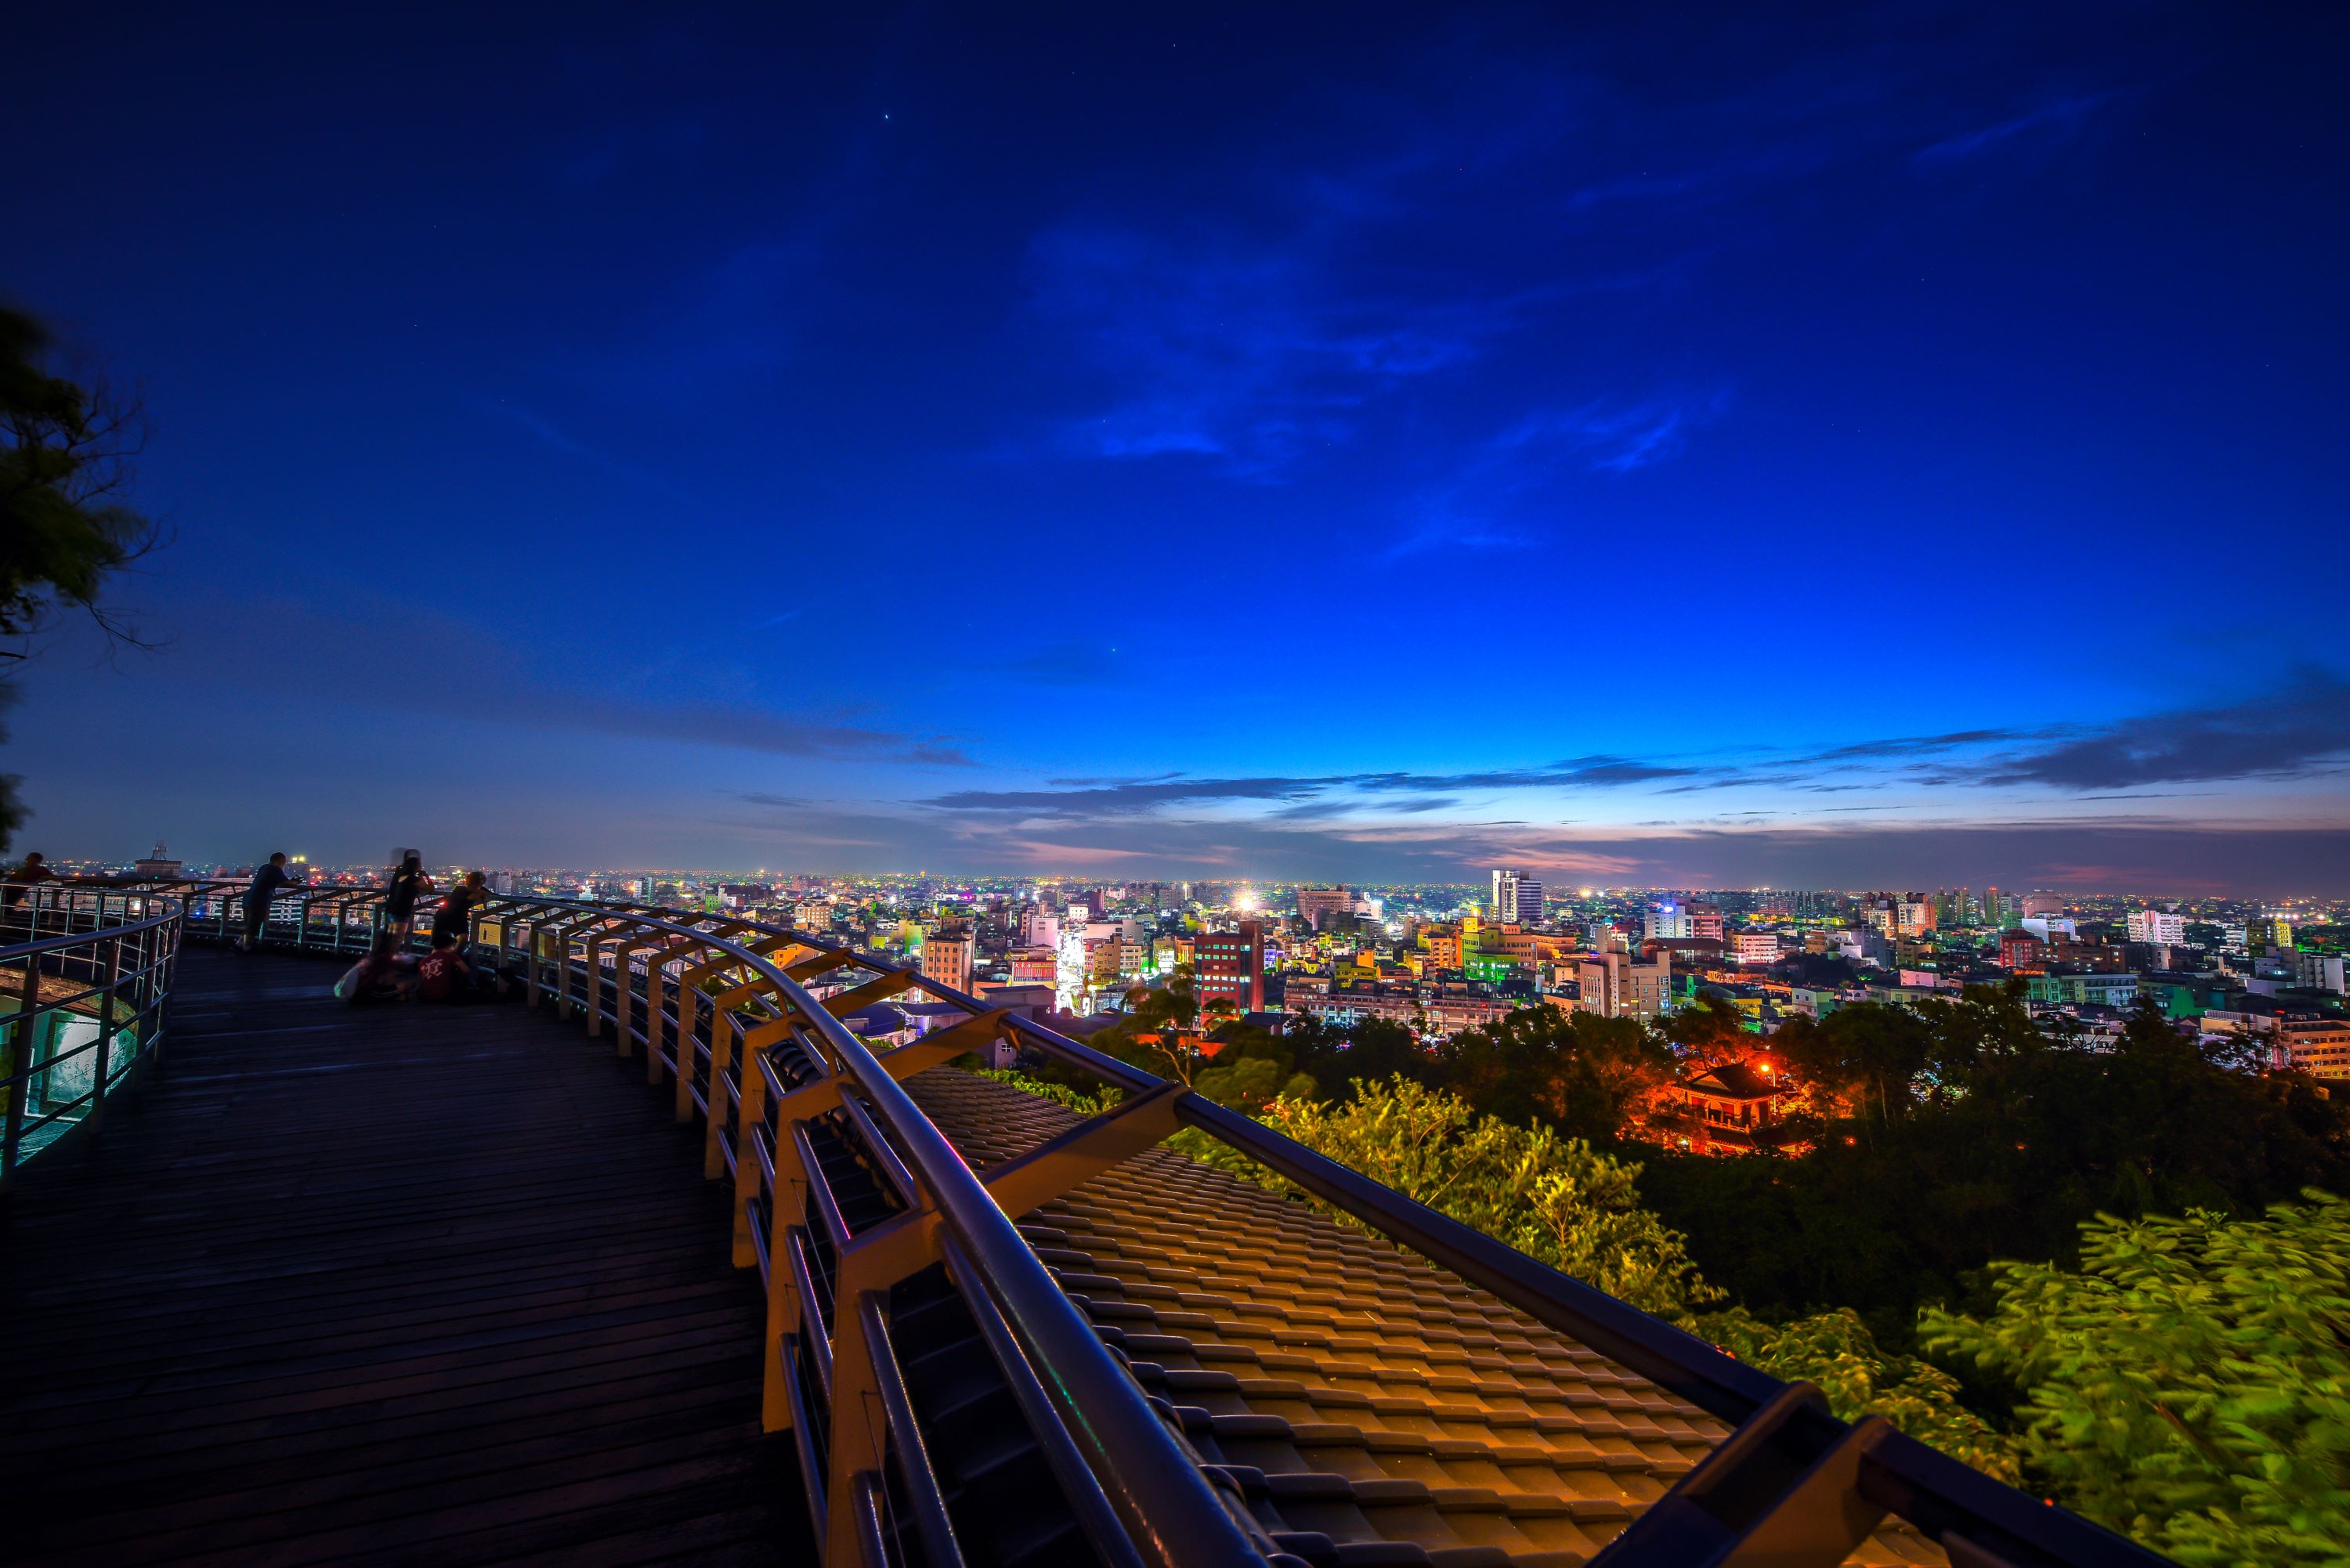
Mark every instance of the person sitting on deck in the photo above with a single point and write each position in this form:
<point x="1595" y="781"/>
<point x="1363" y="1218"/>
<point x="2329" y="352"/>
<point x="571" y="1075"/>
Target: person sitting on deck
<point x="381" y="976"/>
<point x="443" y="974"/>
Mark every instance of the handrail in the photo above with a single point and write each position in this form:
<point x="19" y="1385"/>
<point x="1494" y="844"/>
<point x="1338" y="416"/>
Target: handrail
<point x="922" y="1493"/>
<point x="1938" y="1493"/>
<point x="1164" y="1504"/>
<point x="116" y="976"/>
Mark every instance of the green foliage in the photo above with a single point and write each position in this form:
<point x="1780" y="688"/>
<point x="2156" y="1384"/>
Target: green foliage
<point x="2191" y="1383"/>
<point x="1578" y="1072"/>
<point x="1554" y="1199"/>
<point x="1248" y="1083"/>
<point x="1836" y="1350"/>
<point x="62" y="448"/>
<point x="63" y="453"/>
<point x="2000" y="1145"/>
<point x="1061" y="1094"/>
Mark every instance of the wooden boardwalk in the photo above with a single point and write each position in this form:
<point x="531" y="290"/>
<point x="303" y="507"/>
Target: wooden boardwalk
<point x="412" y="1285"/>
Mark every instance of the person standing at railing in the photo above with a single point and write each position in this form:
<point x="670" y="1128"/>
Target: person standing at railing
<point x="407" y="881"/>
<point x="453" y="916"/>
<point x="266" y="884"/>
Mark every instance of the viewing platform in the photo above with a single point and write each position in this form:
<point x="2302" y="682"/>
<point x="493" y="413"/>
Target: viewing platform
<point x="381" y="1286"/>
<point x="653" y="1259"/>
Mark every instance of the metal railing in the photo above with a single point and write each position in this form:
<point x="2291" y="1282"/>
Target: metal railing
<point x="745" y="1019"/>
<point x="84" y="976"/>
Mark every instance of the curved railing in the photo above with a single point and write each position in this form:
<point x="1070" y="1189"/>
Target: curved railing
<point x="84" y="976"/>
<point x="743" y="1017"/>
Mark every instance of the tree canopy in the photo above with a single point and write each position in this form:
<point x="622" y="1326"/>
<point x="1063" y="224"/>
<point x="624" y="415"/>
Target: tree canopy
<point x="65" y="451"/>
<point x="2189" y="1384"/>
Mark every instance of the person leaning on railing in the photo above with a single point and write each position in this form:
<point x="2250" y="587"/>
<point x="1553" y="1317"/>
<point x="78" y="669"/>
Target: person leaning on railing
<point x="451" y="918"/>
<point x="33" y="872"/>
<point x="266" y="884"/>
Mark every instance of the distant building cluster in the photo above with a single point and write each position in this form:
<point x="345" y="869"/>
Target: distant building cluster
<point x="1438" y="959"/>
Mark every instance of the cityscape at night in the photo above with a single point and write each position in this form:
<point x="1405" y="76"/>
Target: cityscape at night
<point x="912" y="786"/>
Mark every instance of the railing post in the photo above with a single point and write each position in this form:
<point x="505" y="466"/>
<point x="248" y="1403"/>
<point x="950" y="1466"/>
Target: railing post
<point x="106" y="1026"/>
<point x="20" y="1066"/>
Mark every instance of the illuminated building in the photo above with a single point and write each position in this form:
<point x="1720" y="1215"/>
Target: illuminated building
<point x="1668" y="921"/>
<point x="945" y="957"/>
<point x="1726" y="1109"/>
<point x="2154" y="926"/>
<point x="1705" y="922"/>
<point x="1230" y="965"/>
<point x="1516" y="898"/>
<point x="1614" y="986"/>
<point x="1313" y="904"/>
<point x="2317" y="1045"/>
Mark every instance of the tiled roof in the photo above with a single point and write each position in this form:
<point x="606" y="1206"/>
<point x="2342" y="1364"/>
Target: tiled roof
<point x="1372" y="1408"/>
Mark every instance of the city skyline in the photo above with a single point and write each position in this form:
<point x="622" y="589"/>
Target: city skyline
<point x="1328" y="447"/>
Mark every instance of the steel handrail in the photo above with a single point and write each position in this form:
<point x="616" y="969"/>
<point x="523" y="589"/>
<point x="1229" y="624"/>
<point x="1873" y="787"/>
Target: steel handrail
<point x="122" y="987"/>
<point x="1162" y="1502"/>
<point x="922" y="1493"/>
<point x="80" y="938"/>
<point x="1912" y="1478"/>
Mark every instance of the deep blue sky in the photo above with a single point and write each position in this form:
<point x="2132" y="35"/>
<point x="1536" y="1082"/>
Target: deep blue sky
<point x="1893" y="444"/>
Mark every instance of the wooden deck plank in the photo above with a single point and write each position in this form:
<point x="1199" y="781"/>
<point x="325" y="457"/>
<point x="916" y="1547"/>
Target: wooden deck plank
<point x="410" y="1283"/>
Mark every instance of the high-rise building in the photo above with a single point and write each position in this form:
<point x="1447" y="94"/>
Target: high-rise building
<point x="1705" y="921"/>
<point x="947" y="955"/>
<point x="1517" y="899"/>
<point x="1667" y="922"/>
<point x="1317" y="904"/>
<point x="2154" y="926"/>
<point x="1230" y="965"/>
<point x="1613" y="986"/>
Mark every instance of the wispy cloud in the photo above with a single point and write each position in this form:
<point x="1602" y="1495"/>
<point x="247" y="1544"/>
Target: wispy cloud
<point x="2303" y="729"/>
<point x="2057" y="121"/>
<point x="1245" y="351"/>
<point x="275" y="649"/>
<point x="1514" y="488"/>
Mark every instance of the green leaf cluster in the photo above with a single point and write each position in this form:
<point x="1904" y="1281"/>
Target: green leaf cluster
<point x="1836" y="1350"/>
<point x="2190" y="1383"/>
<point x="1555" y="1198"/>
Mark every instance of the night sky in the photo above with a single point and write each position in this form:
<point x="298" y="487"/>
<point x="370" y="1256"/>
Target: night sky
<point x="1880" y="446"/>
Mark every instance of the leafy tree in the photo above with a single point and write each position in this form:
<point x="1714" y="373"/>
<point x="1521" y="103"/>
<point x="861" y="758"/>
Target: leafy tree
<point x="1582" y="1074"/>
<point x="2008" y="1142"/>
<point x="64" y="451"/>
<point x="1836" y="1351"/>
<point x="2191" y="1383"/>
<point x="1555" y="1198"/>
<point x="1251" y="1083"/>
<point x="1710" y="1033"/>
<point x="1871" y="1054"/>
<point x="1374" y="1049"/>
